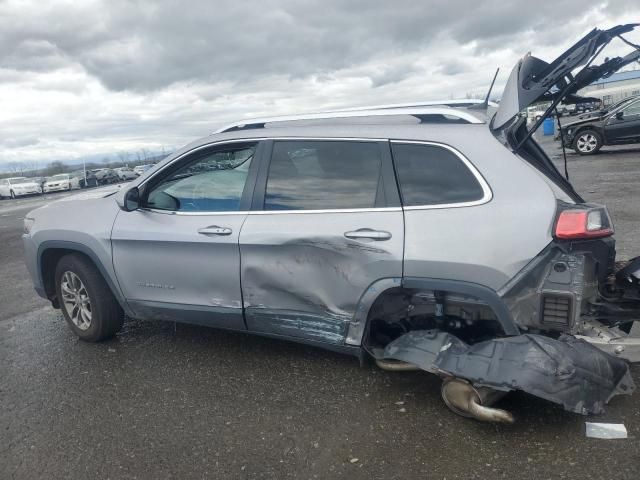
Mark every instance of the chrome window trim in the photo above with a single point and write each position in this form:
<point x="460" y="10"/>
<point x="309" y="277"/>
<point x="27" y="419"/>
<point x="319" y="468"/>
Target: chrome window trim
<point x="194" y="214"/>
<point x="487" y="197"/>
<point x="327" y="210"/>
<point x="486" y="189"/>
<point x="270" y="212"/>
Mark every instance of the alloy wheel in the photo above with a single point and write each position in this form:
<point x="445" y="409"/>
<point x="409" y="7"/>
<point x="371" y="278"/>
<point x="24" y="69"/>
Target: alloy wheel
<point x="587" y="143"/>
<point x="75" y="299"/>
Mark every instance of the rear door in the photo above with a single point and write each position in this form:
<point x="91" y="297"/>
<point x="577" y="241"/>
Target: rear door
<point x="325" y="226"/>
<point x="177" y="258"/>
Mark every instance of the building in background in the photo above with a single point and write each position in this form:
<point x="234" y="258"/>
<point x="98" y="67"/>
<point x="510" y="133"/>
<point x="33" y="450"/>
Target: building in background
<point x="617" y="87"/>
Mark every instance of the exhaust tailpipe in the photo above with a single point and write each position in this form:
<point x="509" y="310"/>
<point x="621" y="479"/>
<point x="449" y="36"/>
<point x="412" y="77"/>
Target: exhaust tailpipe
<point x="396" y="366"/>
<point x="464" y="399"/>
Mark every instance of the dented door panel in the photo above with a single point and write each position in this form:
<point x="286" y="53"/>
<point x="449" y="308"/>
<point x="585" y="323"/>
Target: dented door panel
<point x="302" y="277"/>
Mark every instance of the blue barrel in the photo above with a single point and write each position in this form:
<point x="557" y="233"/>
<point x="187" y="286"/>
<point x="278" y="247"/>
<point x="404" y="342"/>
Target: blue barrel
<point x="548" y="126"/>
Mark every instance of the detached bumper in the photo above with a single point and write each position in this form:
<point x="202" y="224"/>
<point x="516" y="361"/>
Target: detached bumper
<point x="567" y="371"/>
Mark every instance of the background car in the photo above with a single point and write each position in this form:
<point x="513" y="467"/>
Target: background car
<point x="125" y="174"/>
<point x="19" y="186"/>
<point x="140" y="169"/>
<point x="105" y="175"/>
<point x="61" y="181"/>
<point x="615" y="127"/>
<point x="86" y="180"/>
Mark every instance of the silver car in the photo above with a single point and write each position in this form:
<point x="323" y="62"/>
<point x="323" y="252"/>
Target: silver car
<point x="435" y="237"/>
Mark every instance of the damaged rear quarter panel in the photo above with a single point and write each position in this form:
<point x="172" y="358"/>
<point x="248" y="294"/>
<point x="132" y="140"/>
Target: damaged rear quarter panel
<point x="301" y="277"/>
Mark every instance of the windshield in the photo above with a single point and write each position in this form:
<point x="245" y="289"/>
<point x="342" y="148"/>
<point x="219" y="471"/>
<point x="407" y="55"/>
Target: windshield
<point x="60" y="176"/>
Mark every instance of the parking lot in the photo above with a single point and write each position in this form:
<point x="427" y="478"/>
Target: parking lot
<point x="178" y="401"/>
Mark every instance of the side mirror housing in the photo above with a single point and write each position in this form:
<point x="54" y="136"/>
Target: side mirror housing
<point x="131" y="200"/>
<point x="620" y="115"/>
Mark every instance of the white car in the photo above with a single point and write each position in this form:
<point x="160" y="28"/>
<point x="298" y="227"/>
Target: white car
<point x="125" y="173"/>
<point x="62" y="181"/>
<point x="18" y="186"/>
<point x="140" y="169"/>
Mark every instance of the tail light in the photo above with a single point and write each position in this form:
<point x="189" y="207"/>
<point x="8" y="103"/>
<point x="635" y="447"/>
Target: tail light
<point x="582" y="221"/>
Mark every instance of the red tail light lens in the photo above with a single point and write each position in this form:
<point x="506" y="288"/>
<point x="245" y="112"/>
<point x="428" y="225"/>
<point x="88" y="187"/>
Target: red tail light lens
<point x="583" y="223"/>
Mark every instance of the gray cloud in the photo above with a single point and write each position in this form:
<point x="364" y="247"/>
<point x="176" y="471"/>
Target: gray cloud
<point x="98" y="75"/>
<point x="133" y="45"/>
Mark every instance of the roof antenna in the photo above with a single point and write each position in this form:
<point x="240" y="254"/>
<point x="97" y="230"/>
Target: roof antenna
<point x="485" y="104"/>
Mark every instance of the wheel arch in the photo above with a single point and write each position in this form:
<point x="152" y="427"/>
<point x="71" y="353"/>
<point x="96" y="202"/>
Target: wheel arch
<point x="590" y="126"/>
<point x="50" y="253"/>
<point x="378" y="289"/>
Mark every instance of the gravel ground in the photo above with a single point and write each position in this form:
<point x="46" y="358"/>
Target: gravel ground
<point x="177" y="401"/>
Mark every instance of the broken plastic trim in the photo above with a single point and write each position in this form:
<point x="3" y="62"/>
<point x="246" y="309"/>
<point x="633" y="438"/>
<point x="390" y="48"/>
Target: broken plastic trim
<point x="567" y="371"/>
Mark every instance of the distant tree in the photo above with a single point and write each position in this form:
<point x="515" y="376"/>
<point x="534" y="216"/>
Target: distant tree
<point x="54" y="168"/>
<point x="124" y="158"/>
<point x="17" y="168"/>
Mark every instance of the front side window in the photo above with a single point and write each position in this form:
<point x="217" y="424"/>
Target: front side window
<point x="433" y="175"/>
<point x="211" y="182"/>
<point x="319" y="175"/>
<point x="633" y="109"/>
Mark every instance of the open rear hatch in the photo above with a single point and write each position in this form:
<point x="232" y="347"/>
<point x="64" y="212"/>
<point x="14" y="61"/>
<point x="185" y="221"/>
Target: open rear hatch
<point x="533" y="80"/>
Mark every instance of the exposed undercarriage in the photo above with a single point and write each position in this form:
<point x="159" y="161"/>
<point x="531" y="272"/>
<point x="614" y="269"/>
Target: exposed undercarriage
<point x="579" y="318"/>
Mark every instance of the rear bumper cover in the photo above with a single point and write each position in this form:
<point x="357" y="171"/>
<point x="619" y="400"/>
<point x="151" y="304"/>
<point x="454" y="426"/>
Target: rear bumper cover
<point x="567" y="371"/>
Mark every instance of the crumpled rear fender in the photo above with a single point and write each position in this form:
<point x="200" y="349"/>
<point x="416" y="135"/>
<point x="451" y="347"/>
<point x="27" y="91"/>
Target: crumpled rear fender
<point x="567" y="371"/>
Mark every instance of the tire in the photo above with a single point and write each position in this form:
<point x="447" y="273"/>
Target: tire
<point x="587" y="142"/>
<point x="78" y="280"/>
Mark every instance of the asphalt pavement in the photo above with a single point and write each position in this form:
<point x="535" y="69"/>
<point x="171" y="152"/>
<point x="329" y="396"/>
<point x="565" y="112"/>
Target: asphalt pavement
<point x="178" y="401"/>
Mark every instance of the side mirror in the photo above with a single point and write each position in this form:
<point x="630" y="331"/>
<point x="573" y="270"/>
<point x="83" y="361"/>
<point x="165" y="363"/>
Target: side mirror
<point x="620" y="115"/>
<point x="131" y="200"/>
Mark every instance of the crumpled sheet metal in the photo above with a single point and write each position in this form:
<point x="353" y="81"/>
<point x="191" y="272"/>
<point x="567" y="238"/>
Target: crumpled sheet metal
<point x="568" y="371"/>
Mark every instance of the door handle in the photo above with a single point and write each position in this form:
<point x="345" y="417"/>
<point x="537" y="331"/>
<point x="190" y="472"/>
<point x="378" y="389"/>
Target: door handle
<point x="368" y="233"/>
<point x="215" y="230"/>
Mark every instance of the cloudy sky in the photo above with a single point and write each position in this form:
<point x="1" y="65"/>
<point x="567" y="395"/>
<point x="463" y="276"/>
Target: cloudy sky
<point x="90" y="78"/>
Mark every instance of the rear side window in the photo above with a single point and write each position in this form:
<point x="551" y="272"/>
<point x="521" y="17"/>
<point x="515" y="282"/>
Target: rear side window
<point x="318" y="175"/>
<point x="433" y="175"/>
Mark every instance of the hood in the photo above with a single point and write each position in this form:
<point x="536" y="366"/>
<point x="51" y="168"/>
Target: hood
<point x="533" y="80"/>
<point x="95" y="193"/>
<point x="595" y="118"/>
<point x="18" y="186"/>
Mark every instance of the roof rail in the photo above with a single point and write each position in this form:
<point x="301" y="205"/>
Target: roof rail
<point x="457" y="103"/>
<point x="421" y="112"/>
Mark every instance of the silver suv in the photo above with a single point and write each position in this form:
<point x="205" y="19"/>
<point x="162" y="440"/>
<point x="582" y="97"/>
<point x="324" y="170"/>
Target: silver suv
<point x="435" y="236"/>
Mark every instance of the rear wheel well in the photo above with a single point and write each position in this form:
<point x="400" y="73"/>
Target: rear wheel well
<point x="399" y="310"/>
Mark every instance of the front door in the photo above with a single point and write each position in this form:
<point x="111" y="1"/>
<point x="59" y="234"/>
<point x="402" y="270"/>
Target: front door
<point x="177" y="258"/>
<point x="627" y="127"/>
<point x="328" y="226"/>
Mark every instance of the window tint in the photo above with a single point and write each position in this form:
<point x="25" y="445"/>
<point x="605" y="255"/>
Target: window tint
<point x="314" y="175"/>
<point x="213" y="182"/>
<point x="432" y="175"/>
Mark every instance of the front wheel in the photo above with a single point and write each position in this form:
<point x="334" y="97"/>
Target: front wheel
<point x="587" y="142"/>
<point x="87" y="303"/>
